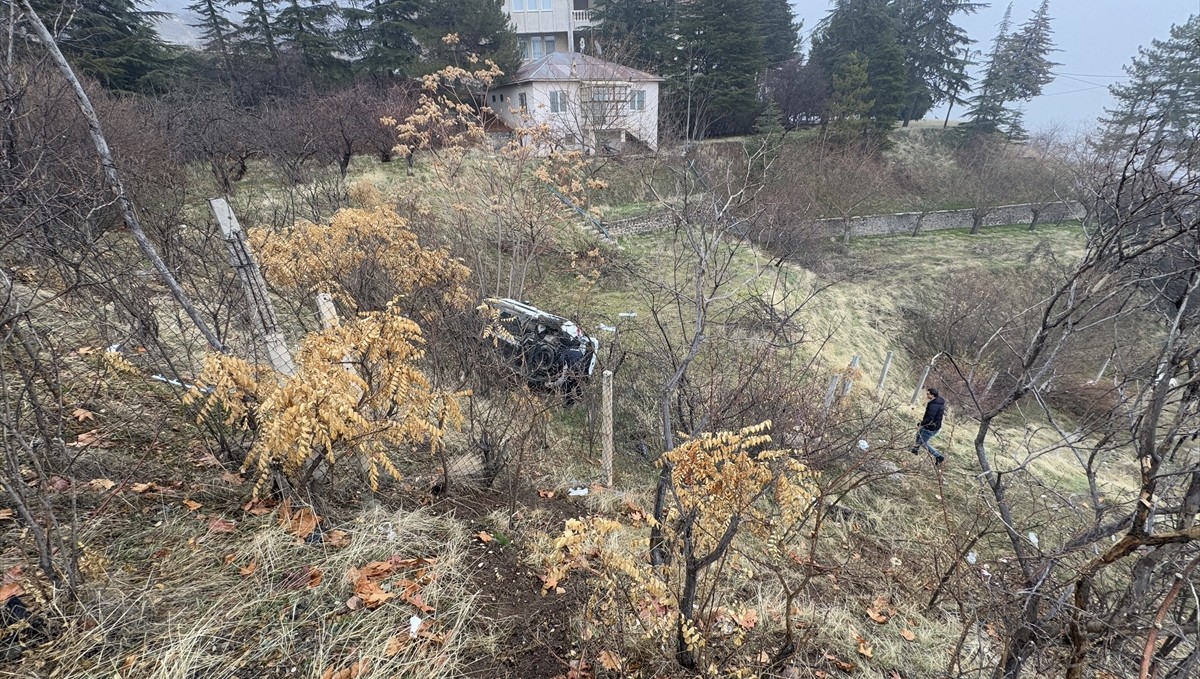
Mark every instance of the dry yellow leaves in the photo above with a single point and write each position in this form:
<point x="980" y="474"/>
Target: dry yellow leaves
<point x="6" y="514"/>
<point x="484" y="536"/>
<point x="91" y="439"/>
<point x="9" y="591"/>
<point x="610" y="661"/>
<point x="82" y="414"/>
<point x="863" y="648"/>
<point x="546" y="494"/>
<point x="395" y="643"/>
<point x="248" y="570"/>
<point x="192" y="505"/>
<point x="337" y="538"/>
<point x="222" y="526"/>
<point x="301" y="522"/>
<point x="880" y="611"/>
<point x="351" y="672"/>
<point x="142" y="487"/>
<point x="746" y="619"/>
<point x="101" y="484"/>
<point x="908" y="634"/>
<point x="843" y="665"/>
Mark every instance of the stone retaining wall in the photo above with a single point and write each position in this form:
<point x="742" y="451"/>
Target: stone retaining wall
<point x="882" y="225"/>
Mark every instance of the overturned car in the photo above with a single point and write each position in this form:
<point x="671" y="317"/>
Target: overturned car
<point x="547" y="350"/>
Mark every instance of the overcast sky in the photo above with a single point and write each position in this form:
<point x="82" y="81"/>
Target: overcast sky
<point x="1097" y="38"/>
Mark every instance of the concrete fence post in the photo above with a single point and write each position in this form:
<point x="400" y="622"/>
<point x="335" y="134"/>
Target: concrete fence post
<point x="921" y="384"/>
<point x="887" y="364"/>
<point x="833" y="384"/>
<point x="849" y="382"/>
<point x="606" y="427"/>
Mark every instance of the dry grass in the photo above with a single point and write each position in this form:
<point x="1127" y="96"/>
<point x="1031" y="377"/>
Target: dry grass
<point x="170" y="607"/>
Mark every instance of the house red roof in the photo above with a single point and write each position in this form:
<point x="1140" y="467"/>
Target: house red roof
<point x="558" y="66"/>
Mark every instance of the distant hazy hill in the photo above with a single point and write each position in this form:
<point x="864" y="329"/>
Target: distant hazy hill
<point x="175" y="28"/>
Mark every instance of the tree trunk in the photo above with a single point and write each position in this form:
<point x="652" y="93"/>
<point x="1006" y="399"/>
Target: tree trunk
<point x="1036" y="213"/>
<point x="976" y="222"/>
<point x="917" y="228"/>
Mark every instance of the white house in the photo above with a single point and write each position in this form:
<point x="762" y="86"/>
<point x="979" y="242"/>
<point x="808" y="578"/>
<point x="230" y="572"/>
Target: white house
<point x="546" y="26"/>
<point x="589" y="103"/>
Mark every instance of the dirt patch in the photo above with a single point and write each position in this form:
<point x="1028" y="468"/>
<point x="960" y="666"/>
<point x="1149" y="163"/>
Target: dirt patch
<point x="534" y="633"/>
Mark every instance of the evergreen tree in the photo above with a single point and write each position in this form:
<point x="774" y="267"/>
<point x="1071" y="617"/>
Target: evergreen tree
<point x="256" y="37"/>
<point x="215" y="29"/>
<point x="713" y="79"/>
<point x="638" y="33"/>
<point x="1017" y="70"/>
<point x="482" y="27"/>
<point x="113" y="41"/>
<point x="305" y="26"/>
<point x="934" y="48"/>
<point x="779" y="30"/>
<point x="386" y="33"/>
<point x="870" y="28"/>
<point x="851" y="103"/>
<point x="1163" y="88"/>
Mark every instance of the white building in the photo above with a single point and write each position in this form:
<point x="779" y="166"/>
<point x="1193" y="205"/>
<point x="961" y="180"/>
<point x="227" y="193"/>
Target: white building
<point x="546" y="26"/>
<point x="589" y="103"/>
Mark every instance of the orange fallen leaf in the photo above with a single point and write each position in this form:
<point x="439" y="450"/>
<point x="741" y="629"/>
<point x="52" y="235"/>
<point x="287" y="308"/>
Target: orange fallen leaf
<point x="84" y="351"/>
<point x="232" y="479"/>
<point x="228" y="558"/>
<point x="192" y="505"/>
<point x="877" y="616"/>
<point x="142" y="487"/>
<point x="315" y="576"/>
<point x="350" y="672"/>
<point x="10" y="590"/>
<point x="394" y="644"/>
<point x="746" y="619"/>
<point x="610" y="661"/>
<point x="842" y="665"/>
<point x="301" y="522"/>
<point x="258" y="507"/>
<point x="376" y="570"/>
<point x="101" y="484"/>
<point x="337" y="538"/>
<point x="908" y="634"/>
<point x="59" y="484"/>
<point x="81" y="414"/>
<point x="248" y="570"/>
<point x="484" y="536"/>
<point x="546" y="494"/>
<point x="222" y="526"/>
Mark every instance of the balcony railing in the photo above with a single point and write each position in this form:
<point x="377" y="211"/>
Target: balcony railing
<point x="581" y="18"/>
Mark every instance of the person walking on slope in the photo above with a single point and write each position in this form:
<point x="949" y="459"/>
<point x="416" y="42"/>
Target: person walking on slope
<point x="930" y="425"/>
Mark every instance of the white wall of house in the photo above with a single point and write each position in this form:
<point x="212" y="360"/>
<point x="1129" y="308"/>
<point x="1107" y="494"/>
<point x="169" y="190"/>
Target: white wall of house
<point x="532" y="16"/>
<point x="569" y="124"/>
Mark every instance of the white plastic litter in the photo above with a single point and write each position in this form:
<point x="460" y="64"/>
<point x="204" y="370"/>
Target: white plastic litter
<point x="607" y="328"/>
<point x="582" y="490"/>
<point x="414" y="626"/>
<point x="1033" y="539"/>
<point x="627" y="314"/>
<point x="971" y="558"/>
<point x="863" y="445"/>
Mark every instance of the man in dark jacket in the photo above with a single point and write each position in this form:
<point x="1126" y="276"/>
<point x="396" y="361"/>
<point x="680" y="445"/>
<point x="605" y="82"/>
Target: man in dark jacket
<point x="930" y="425"/>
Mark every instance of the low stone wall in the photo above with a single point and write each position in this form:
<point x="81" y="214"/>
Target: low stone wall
<point x="883" y="225"/>
<point x="905" y="222"/>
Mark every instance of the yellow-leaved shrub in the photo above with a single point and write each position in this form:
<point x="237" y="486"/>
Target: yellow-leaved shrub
<point x="365" y="256"/>
<point x="357" y="391"/>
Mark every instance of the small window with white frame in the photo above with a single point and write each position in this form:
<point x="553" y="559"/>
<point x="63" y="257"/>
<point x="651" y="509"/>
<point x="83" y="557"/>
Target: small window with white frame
<point x="523" y="101"/>
<point x="519" y="5"/>
<point x="558" y="101"/>
<point x="547" y="5"/>
<point x="637" y="100"/>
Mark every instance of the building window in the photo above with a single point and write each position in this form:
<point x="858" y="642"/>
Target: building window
<point x="524" y="103"/>
<point x="493" y="98"/>
<point x="546" y="4"/>
<point x="637" y="100"/>
<point x="558" y="101"/>
<point x="519" y="5"/>
<point x="539" y="46"/>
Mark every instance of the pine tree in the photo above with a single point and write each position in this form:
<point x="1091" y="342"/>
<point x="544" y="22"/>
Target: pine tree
<point x="1163" y="88"/>
<point x="638" y="33"/>
<point x="1017" y="70"/>
<point x="716" y="71"/>
<point x="256" y="37"/>
<point x="870" y="28"/>
<point x="934" y="48"/>
<point x="113" y="41"/>
<point x="851" y="103"/>
<point x="482" y="27"/>
<point x="305" y="26"/>
<point x="215" y="29"/>
<point x="779" y="30"/>
<point x="387" y="34"/>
